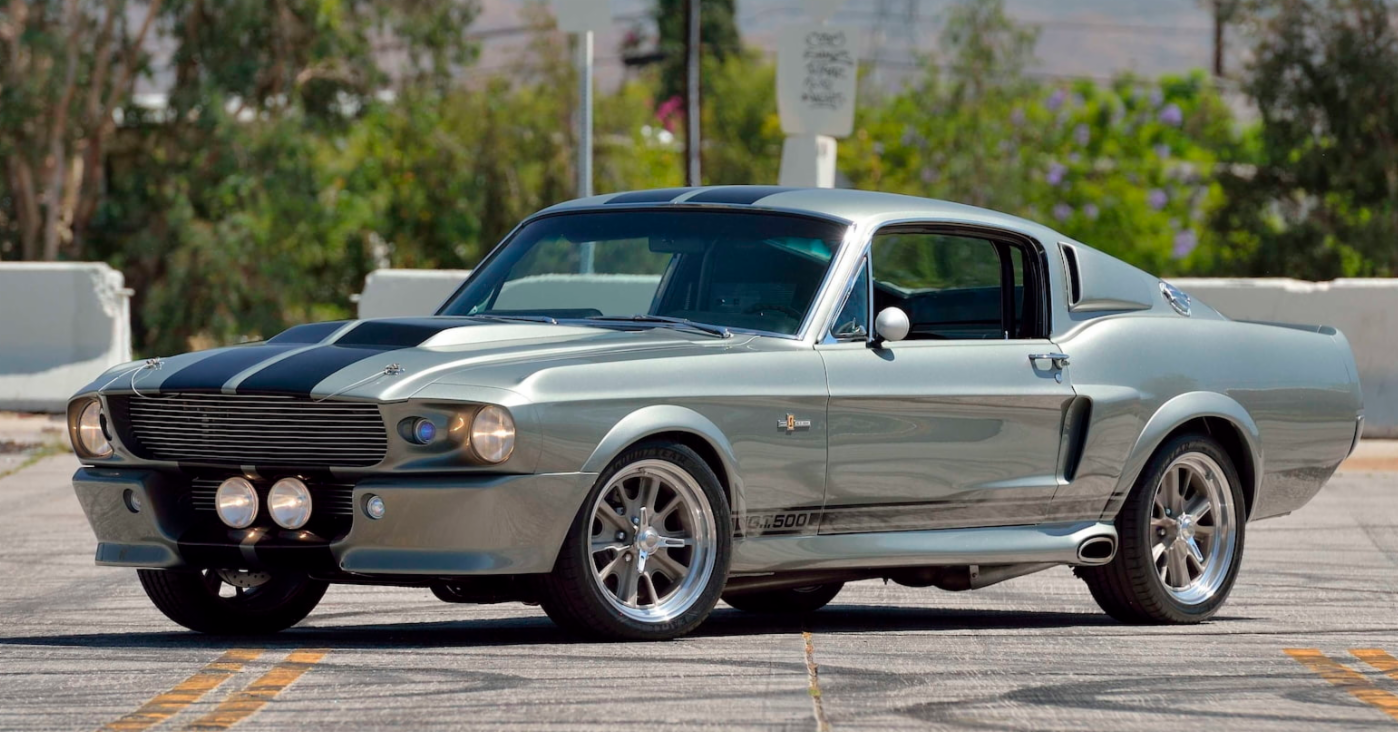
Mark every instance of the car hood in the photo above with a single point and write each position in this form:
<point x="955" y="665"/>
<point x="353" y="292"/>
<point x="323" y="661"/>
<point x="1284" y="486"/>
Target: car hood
<point x="393" y="358"/>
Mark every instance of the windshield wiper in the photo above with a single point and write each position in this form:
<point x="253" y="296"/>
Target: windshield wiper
<point x="713" y="330"/>
<point x="516" y="318"/>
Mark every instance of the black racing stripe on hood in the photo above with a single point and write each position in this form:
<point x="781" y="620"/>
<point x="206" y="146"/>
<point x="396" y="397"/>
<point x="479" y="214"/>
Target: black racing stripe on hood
<point x="400" y="332"/>
<point x="299" y="374"/>
<point x="308" y="333"/>
<point x="210" y="374"/>
<point x="659" y="195"/>
<point x="738" y="195"/>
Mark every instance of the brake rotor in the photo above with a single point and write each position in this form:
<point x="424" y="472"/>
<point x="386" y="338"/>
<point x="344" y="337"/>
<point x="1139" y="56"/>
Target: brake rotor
<point x="243" y="578"/>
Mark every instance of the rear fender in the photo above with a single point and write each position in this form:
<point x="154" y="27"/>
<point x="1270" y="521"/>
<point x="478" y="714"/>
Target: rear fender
<point x="1169" y="417"/>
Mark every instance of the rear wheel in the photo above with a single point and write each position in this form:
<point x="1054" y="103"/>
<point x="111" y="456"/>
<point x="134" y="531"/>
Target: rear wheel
<point x="792" y="601"/>
<point x="1181" y="538"/>
<point x="232" y="602"/>
<point x="648" y="553"/>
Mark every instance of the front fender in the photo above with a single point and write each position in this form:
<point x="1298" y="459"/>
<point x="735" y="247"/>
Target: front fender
<point x="1169" y="417"/>
<point x="659" y="419"/>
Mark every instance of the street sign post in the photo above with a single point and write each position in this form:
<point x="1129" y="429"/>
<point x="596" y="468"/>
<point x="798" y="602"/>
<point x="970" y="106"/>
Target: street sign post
<point x="817" y="80"/>
<point x="583" y="17"/>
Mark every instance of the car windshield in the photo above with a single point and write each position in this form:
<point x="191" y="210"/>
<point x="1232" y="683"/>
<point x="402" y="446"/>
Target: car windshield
<point x="741" y="270"/>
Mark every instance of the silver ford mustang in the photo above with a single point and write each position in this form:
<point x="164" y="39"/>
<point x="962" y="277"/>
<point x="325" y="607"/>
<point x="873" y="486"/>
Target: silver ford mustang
<point x="644" y="402"/>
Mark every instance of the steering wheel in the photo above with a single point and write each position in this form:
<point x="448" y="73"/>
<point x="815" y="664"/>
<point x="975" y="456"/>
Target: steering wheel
<point x="784" y="309"/>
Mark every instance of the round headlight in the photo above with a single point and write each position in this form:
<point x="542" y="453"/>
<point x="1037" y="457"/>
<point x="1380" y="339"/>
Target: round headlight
<point x="289" y="502"/>
<point x="91" y="438"/>
<point x="493" y="434"/>
<point x="236" y="501"/>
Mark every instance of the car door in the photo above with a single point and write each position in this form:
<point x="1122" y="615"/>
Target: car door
<point x="959" y="424"/>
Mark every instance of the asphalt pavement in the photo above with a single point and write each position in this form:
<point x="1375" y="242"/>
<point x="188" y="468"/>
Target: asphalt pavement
<point x="1307" y="642"/>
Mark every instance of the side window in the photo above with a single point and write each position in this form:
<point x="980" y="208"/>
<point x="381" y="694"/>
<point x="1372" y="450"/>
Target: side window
<point x="953" y="287"/>
<point x="853" y="321"/>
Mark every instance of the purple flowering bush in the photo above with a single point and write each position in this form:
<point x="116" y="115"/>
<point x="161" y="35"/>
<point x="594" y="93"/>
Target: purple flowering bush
<point x="1127" y="167"/>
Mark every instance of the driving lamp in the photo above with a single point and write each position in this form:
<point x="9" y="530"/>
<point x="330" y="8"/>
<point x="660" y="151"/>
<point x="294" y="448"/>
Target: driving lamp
<point x="289" y="503"/>
<point x="492" y="434"/>
<point x="91" y="439"/>
<point x="236" y="502"/>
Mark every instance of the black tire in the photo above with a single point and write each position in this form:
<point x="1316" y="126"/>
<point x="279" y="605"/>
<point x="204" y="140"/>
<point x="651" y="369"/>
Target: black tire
<point x="790" y="601"/>
<point x="192" y="599"/>
<point x="570" y="595"/>
<point x="1129" y="588"/>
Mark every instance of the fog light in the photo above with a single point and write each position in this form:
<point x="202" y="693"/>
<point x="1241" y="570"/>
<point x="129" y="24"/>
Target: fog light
<point x="424" y="431"/>
<point x="236" y="501"/>
<point x="289" y="503"/>
<point x="373" y="507"/>
<point x="132" y="501"/>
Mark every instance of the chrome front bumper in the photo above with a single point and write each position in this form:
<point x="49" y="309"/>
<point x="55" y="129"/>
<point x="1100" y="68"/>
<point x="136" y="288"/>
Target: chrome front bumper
<point x="433" y="527"/>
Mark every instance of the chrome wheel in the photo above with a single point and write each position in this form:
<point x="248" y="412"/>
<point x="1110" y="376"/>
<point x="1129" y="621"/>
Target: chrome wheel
<point x="1193" y="528"/>
<point x="653" y="540"/>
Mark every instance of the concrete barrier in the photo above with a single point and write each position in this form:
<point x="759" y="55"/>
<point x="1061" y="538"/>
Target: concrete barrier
<point x="1365" y="310"/>
<point x="399" y="292"/>
<point x="392" y="293"/>
<point x="61" y="324"/>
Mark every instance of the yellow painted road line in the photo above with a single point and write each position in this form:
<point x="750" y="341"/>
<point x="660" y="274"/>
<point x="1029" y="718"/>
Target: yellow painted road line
<point x="1346" y="678"/>
<point x="245" y="703"/>
<point x="187" y="692"/>
<point x="1378" y="659"/>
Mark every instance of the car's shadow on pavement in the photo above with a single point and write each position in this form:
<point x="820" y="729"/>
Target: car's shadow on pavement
<point x="538" y="630"/>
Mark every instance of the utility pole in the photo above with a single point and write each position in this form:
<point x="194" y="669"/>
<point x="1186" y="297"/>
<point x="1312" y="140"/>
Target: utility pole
<point x="691" y="88"/>
<point x="1224" y="10"/>
<point x="585" y="114"/>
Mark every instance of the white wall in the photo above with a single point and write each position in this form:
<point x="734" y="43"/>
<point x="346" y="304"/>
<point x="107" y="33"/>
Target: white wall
<point x="392" y="293"/>
<point x="398" y="292"/>
<point x="61" y="324"/>
<point x="1365" y="310"/>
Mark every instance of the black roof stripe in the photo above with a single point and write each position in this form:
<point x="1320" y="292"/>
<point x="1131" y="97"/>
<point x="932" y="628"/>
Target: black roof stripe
<point x="659" y="195"/>
<point x="737" y="195"/>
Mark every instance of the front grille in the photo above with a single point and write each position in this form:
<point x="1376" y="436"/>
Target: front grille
<point x="237" y="430"/>
<point x="327" y="499"/>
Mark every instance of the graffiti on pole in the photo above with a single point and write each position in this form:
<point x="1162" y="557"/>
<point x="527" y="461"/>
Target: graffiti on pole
<point x="817" y="75"/>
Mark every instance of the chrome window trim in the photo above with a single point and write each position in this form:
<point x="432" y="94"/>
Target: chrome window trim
<point x="867" y="253"/>
<point x="863" y="267"/>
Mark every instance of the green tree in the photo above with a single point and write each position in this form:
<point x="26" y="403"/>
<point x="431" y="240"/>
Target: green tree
<point x="1314" y="193"/>
<point x="65" y="69"/>
<point x="1126" y="167"/>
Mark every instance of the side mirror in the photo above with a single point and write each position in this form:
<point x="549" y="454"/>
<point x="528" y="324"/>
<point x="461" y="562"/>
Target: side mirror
<point x="892" y="325"/>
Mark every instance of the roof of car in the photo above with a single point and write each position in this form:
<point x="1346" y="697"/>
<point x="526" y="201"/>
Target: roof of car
<point x="850" y="205"/>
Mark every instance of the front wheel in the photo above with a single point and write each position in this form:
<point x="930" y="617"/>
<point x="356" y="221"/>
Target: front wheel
<point x="232" y="601"/>
<point x="648" y="554"/>
<point x="1181" y="538"/>
<point x="792" y="601"/>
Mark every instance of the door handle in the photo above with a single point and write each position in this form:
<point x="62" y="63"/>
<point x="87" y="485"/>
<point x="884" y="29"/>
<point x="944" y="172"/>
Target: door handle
<point x="1060" y="360"/>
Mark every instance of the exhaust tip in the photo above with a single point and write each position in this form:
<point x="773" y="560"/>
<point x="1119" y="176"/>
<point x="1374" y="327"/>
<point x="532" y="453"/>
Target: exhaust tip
<point x="1097" y="550"/>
